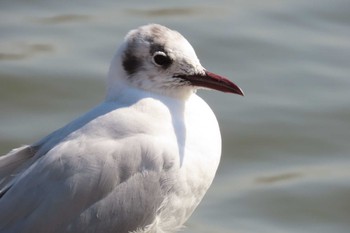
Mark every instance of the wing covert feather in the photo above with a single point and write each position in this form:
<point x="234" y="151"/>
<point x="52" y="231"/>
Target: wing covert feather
<point x="105" y="182"/>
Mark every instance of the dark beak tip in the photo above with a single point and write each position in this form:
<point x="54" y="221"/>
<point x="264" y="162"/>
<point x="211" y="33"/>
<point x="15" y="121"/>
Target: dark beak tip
<point x="236" y="90"/>
<point x="240" y="92"/>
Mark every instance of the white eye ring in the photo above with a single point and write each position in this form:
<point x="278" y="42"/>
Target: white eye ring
<point x="161" y="59"/>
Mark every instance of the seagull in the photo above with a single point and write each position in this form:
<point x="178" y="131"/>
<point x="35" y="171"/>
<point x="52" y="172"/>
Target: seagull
<point x="139" y="162"/>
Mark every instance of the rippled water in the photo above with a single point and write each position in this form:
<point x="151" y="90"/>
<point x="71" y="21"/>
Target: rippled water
<point x="286" y="145"/>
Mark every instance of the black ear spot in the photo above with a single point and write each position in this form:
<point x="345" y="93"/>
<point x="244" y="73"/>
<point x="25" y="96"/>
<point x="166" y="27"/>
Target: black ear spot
<point x="131" y="63"/>
<point x="160" y="58"/>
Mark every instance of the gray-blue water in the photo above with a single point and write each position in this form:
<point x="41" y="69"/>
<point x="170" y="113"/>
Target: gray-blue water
<point x="286" y="145"/>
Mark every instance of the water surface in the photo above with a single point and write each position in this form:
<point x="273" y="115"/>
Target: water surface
<point x="285" y="165"/>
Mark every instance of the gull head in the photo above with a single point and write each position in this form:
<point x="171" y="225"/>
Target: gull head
<point x="157" y="59"/>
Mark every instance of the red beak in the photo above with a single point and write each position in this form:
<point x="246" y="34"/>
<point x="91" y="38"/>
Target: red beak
<point x="213" y="81"/>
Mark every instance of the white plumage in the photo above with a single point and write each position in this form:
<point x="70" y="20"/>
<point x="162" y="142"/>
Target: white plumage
<point x="141" y="161"/>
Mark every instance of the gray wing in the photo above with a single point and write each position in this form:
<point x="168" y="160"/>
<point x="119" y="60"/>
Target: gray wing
<point x="82" y="187"/>
<point x="13" y="164"/>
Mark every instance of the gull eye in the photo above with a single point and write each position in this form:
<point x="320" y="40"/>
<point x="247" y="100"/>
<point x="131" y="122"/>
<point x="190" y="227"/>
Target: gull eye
<point x="161" y="59"/>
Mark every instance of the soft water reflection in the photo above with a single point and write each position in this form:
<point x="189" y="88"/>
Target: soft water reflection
<point x="286" y="162"/>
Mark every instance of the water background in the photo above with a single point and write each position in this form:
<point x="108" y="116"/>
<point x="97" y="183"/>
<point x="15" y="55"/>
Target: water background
<point x="286" y="145"/>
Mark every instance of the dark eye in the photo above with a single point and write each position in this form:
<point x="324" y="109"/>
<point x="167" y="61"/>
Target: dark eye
<point x="161" y="59"/>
